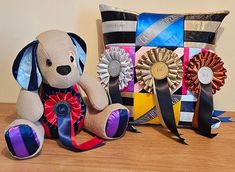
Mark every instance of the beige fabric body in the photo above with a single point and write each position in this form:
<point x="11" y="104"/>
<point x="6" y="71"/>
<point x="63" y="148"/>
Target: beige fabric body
<point x="29" y="106"/>
<point x="94" y="91"/>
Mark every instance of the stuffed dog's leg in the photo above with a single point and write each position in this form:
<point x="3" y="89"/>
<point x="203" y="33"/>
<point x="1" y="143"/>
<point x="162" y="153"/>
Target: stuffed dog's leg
<point x="25" y="135"/>
<point x="24" y="138"/>
<point x="29" y="106"/>
<point x="111" y="123"/>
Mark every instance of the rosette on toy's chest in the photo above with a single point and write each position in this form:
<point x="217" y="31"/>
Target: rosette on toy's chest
<point x="115" y="70"/>
<point x="51" y="107"/>
<point x="205" y="75"/>
<point x="64" y="114"/>
<point x="160" y="70"/>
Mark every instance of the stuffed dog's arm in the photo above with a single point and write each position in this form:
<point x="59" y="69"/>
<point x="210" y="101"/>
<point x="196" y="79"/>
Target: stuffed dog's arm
<point x="94" y="91"/>
<point x="29" y="105"/>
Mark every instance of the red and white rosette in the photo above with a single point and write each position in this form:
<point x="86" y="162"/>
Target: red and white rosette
<point x="205" y="74"/>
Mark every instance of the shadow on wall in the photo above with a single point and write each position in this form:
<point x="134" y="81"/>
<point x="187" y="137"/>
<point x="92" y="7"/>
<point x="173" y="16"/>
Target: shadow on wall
<point x="218" y="34"/>
<point x="100" y="37"/>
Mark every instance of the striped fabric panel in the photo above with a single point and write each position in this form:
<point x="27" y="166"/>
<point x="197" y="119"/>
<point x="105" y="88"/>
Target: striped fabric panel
<point x="22" y="141"/>
<point x="123" y="122"/>
<point x="200" y="29"/>
<point x="188" y="103"/>
<point x="118" y="25"/>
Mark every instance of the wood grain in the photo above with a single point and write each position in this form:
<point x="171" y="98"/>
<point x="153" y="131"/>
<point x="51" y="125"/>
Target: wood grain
<point x="152" y="150"/>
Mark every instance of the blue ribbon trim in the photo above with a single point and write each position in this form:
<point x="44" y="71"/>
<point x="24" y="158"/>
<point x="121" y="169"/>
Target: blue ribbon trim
<point x="218" y="113"/>
<point x="64" y="125"/>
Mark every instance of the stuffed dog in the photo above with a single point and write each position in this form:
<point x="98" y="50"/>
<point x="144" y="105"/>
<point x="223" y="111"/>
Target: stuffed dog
<point x="50" y="72"/>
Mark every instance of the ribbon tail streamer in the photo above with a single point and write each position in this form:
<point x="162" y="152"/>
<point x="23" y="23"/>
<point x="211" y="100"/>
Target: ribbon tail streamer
<point x="217" y="113"/>
<point x="165" y="108"/>
<point x="68" y="139"/>
<point x="131" y="126"/>
<point x="114" y="92"/>
<point x="202" y="118"/>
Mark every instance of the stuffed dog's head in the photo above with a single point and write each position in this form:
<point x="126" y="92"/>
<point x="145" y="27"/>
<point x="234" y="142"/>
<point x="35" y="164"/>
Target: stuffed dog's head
<point x="56" y="58"/>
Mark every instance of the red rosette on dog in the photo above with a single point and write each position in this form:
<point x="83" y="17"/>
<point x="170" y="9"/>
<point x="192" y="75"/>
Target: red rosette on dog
<point x="72" y="101"/>
<point x="205" y="75"/>
<point x="64" y="114"/>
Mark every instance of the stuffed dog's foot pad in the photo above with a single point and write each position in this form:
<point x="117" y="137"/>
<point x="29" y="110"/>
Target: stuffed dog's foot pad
<point x="117" y="123"/>
<point x="22" y="141"/>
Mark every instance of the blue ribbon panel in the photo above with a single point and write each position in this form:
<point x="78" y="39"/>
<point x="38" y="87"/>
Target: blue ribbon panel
<point x="160" y="30"/>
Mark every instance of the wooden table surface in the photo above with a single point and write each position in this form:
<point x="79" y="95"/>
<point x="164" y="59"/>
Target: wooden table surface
<point x="152" y="150"/>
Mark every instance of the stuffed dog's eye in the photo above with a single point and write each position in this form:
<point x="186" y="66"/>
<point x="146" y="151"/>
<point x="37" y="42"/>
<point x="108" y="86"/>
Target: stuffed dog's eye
<point x="48" y="62"/>
<point x="71" y="58"/>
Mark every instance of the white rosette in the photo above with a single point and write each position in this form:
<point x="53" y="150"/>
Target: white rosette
<point x="115" y="62"/>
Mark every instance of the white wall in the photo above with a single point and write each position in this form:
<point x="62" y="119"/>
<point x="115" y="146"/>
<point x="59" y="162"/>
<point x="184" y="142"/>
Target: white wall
<point x="22" y="20"/>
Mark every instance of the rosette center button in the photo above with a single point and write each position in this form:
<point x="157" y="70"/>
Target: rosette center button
<point x="159" y="70"/>
<point x="205" y="75"/>
<point x="114" y="68"/>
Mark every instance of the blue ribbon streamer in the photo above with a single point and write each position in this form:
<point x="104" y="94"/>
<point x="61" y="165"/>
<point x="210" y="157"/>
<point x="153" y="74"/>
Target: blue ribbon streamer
<point x="218" y="113"/>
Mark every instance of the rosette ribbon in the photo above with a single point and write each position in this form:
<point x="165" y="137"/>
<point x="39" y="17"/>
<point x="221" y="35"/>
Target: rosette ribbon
<point x="115" y="70"/>
<point x="205" y="75"/>
<point x="159" y="71"/>
<point x="66" y="113"/>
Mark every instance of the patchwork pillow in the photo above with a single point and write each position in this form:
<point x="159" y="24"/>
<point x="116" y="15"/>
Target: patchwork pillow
<point x="159" y="46"/>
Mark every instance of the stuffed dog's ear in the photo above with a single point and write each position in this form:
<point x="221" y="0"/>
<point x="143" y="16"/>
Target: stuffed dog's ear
<point x="80" y="45"/>
<point x="25" y="69"/>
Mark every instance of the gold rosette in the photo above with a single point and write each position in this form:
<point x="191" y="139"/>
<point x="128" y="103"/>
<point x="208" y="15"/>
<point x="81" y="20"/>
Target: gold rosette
<point x="145" y="69"/>
<point x="210" y="60"/>
<point x="160" y="70"/>
<point x="205" y="75"/>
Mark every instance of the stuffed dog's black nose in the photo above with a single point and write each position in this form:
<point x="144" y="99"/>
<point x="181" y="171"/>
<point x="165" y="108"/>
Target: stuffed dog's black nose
<point x="63" y="70"/>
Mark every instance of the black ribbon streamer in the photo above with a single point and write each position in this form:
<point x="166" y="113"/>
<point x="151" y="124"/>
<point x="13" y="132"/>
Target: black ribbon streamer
<point x="202" y="119"/>
<point x="114" y="92"/>
<point x="165" y="107"/>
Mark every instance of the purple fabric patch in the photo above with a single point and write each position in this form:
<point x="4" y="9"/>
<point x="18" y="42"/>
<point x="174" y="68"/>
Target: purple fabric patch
<point x="112" y="123"/>
<point x="36" y="138"/>
<point x="17" y="142"/>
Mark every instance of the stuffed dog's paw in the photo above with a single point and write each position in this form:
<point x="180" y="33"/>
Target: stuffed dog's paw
<point x="23" y="140"/>
<point x="117" y="123"/>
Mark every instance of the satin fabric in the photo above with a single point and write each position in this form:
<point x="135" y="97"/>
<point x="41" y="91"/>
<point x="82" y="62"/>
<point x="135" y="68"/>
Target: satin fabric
<point x="165" y="107"/>
<point x="160" y="30"/>
<point x="67" y="133"/>
<point x="114" y="92"/>
<point x="202" y="119"/>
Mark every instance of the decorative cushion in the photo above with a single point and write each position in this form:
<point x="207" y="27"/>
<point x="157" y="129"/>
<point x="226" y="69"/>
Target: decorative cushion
<point x="157" y="38"/>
